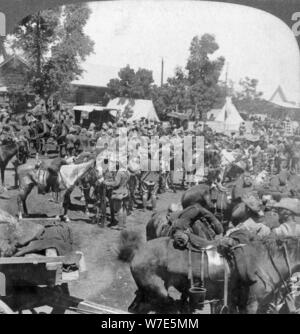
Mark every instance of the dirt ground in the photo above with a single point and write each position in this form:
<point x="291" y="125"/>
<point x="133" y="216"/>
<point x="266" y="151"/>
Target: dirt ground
<point x="108" y="281"/>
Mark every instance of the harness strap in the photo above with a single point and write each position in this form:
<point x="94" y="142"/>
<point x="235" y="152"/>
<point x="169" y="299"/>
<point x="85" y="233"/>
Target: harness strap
<point x="202" y="267"/>
<point x="190" y="275"/>
<point x="278" y="272"/>
<point x="226" y="282"/>
<point x="286" y="256"/>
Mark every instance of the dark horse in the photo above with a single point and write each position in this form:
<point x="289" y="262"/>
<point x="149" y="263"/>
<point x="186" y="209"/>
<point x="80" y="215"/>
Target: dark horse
<point x="8" y="151"/>
<point x="258" y="270"/>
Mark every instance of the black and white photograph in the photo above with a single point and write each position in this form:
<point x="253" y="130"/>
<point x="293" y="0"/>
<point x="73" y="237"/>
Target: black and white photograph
<point x="149" y="158"/>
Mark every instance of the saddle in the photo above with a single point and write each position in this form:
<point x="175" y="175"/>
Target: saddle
<point x="203" y="256"/>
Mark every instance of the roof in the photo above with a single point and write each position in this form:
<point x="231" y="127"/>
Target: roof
<point x="14" y="57"/>
<point x="279" y="98"/>
<point x="134" y="109"/>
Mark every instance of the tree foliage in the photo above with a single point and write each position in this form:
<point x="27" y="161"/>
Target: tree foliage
<point x="132" y="84"/>
<point x="196" y="87"/>
<point x="54" y="43"/>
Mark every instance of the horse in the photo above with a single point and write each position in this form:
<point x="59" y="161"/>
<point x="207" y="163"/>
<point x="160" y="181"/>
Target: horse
<point x="69" y="175"/>
<point x="264" y="268"/>
<point x="158" y="266"/>
<point x="17" y="148"/>
<point x="258" y="270"/>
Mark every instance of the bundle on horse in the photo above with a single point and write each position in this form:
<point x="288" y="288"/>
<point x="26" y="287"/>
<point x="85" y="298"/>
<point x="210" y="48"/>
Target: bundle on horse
<point x="214" y="199"/>
<point x="45" y="179"/>
<point x="194" y="218"/>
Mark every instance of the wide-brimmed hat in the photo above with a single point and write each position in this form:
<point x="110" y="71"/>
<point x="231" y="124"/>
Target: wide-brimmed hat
<point x="252" y="202"/>
<point x="291" y="204"/>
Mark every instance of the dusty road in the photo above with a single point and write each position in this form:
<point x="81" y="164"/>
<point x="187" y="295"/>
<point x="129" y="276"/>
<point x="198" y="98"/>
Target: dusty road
<point x="108" y="281"/>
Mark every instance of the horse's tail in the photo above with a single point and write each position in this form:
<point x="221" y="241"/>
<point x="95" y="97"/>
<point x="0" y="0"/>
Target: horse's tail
<point x="129" y="244"/>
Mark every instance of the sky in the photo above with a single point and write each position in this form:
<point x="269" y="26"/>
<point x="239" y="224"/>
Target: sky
<point x="141" y="33"/>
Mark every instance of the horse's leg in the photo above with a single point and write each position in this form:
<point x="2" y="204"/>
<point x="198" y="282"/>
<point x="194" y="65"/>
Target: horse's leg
<point x="22" y="197"/>
<point x="66" y="203"/>
<point x="2" y="176"/>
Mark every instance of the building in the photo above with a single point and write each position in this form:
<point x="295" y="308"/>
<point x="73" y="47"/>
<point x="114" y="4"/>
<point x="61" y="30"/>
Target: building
<point x="14" y="84"/>
<point x="88" y="94"/>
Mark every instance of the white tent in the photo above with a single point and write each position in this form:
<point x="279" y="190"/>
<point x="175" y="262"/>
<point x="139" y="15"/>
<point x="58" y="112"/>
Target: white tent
<point x="279" y="99"/>
<point x="229" y="118"/>
<point x="133" y="109"/>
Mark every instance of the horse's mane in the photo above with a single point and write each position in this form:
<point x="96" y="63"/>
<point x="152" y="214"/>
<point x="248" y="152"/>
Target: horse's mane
<point x="274" y="243"/>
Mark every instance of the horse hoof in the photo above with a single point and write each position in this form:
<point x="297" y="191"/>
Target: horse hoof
<point x="20" y="216"/>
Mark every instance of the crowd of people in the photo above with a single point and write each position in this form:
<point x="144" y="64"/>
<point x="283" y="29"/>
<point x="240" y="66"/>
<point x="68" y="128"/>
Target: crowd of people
<point x="266" y="147"/>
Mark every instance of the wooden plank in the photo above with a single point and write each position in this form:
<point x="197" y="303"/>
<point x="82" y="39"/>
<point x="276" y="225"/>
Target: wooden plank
<point x="30" y="260"/>
<point x="90" y="307"/>
<point x="39" y="220"/>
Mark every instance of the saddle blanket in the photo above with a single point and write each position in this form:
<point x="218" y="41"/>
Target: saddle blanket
<point x="70" y="174"/>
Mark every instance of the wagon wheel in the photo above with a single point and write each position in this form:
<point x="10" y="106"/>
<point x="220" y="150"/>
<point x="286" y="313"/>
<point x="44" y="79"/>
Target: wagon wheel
<point x="4" y="309"/>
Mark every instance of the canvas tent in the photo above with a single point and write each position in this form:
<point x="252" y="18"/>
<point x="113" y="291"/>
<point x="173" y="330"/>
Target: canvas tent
<point x="133" y="109"/>
<point x="228" y="119"/>
<point x="280" y="100"/>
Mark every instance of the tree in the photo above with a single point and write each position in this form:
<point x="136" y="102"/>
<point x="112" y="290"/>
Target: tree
<point x="248" y="98"/>
<point x="195" y="88"/>
<point x="203" y="73"/>
<point x="54" y="43"/>
<point x="3" y="51"/>
<point x="131" y="84"/>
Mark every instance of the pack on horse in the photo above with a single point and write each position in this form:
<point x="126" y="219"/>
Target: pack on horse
<point x="212" y="198"/>
<point x="46" y="180"/>
<point x="194" y="218"/>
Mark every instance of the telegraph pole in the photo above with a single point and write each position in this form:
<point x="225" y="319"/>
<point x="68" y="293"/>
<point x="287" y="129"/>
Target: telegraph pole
<point x="162" y="72"/>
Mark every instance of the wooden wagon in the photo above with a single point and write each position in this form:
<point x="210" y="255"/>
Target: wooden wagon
<point x="27" y="283"/>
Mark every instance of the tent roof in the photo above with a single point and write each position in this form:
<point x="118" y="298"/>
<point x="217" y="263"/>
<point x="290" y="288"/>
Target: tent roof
<point x="137" y="108"/>
<point x="279" y="98"/>
<point x="229" y="114"/>
<point x="90" y="108"/>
